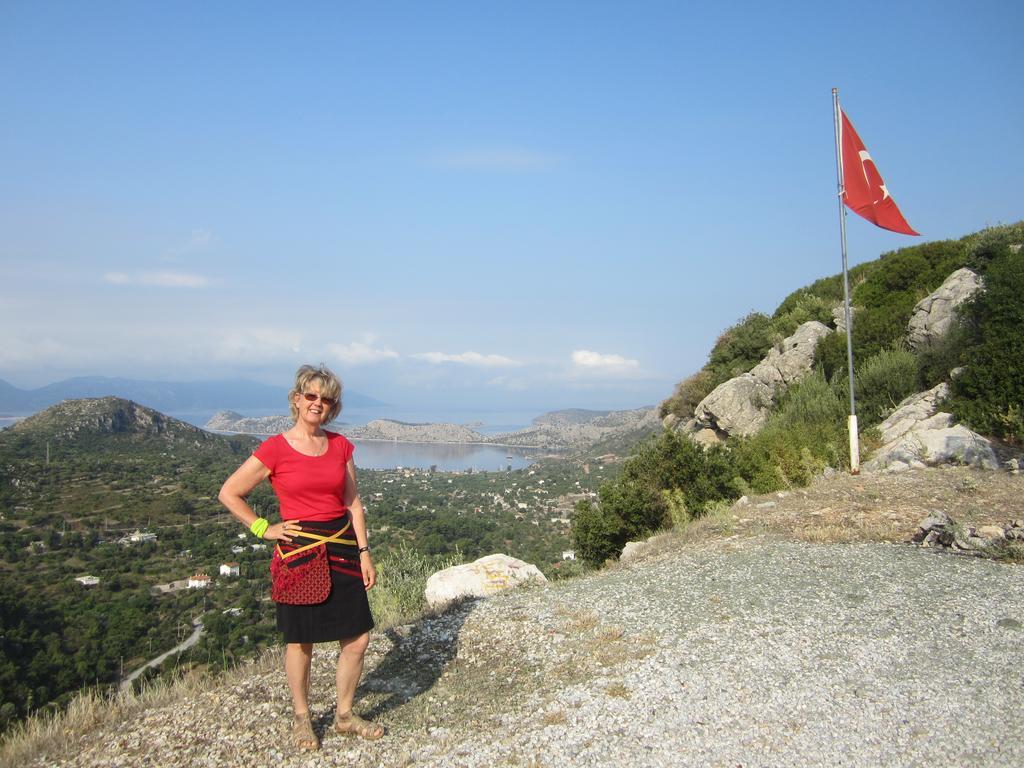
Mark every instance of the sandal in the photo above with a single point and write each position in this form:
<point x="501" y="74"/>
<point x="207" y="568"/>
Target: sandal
<point x="303" y="735"/>
<point x="351" y="724"/>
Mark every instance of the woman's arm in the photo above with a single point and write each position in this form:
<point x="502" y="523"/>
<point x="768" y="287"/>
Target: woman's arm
<point x="237" y="487"/>
<point x="358" y="514"/>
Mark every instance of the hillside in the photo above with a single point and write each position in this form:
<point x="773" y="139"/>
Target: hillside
<point x="896" y="655"/>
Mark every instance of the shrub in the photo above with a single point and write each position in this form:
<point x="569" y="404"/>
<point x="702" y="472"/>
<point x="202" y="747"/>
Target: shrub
<point x="596" y="535"/>
<point x="689" y="392"/>
<point x="988" y="393"/>
<point x="883" y="381"/>
<point x="798" y="441"/>
<point x="803" y="306"/>
<point x="741" y="347"/>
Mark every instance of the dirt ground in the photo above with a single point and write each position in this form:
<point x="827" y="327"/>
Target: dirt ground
<point x="871" y="506"/>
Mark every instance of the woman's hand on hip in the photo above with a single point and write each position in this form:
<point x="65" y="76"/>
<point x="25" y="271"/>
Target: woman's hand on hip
<point x="282" y="531"/>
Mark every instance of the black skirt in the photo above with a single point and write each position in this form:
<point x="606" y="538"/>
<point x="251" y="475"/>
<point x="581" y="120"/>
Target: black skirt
<point x="346" y="611"/>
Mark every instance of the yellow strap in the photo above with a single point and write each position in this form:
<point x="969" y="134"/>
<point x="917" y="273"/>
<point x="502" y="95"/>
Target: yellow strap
<point x="336" y="536"/>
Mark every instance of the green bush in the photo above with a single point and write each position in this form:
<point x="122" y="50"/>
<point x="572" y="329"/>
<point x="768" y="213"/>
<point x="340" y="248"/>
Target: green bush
<point x="803" y="307"/>
<point x="988" y="394"/>
<point x="689" y="392"/>
<point x="741" y="347"/>
<point x="883" y="381"/>
<point x="667" y="477"/>
<point x="596" y="535"/>
<point x="806" y="434"/>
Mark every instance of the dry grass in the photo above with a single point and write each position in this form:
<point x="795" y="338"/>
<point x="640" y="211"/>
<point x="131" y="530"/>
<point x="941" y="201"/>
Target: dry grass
<point x="554" y="717"/>
<point x="617" y="691"/>
<point x="58" y="732"/>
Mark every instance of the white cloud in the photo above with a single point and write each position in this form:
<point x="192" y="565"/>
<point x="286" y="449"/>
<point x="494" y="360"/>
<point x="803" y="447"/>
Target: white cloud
<point x="163" y="279"/>
<point x="584" y="358"/>
<point x="495" y="159"/>
<point x="360" y="353"/>
<point x="474" y="359"/>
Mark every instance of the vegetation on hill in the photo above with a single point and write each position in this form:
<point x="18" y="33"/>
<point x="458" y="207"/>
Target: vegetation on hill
<point x="666" y="481"/>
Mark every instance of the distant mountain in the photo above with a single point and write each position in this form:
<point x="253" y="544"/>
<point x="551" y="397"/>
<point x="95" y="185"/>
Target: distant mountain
<point x="161" y="395"/>
<point x="572" y="429"/>
<point x="110" y="424"/>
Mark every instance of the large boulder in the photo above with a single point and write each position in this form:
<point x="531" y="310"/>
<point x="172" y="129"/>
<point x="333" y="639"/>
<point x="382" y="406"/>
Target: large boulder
<point x="740" y="406"/>
<point x="934" y="314"/>
<point x="481" y="578"/>
<point x="792" y="359"/>
<point x="917" y="434"/>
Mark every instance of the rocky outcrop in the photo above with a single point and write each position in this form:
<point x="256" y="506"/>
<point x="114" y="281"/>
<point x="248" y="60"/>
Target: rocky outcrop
<point x="935" y="313"/>
<point x="917" y="435"/>
<point x="484" y="577"/>
<point x="230" y="421"/>
<point x="386" y="429"/>
<point x="557" y="431"/>
<point x="741" y="405"/>
<point x="939" y="530"/>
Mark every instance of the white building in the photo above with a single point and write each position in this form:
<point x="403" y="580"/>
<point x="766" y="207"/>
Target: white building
<point x="88" y="581"/>
<point x="229" y="569"/>
<point x="199" y="581"/>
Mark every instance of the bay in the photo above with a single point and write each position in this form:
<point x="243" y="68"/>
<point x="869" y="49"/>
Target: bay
<point x="389" y="454"/>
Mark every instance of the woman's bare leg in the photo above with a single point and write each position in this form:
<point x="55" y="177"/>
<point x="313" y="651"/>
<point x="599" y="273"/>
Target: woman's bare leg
<point x="350" y="669"/>
<point x="297" y="659"/>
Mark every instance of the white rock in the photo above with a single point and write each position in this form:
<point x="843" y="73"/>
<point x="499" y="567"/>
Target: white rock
<point x="934" y="314"/>
<point x="740" y="405"/>
<point x="481" y="578"/>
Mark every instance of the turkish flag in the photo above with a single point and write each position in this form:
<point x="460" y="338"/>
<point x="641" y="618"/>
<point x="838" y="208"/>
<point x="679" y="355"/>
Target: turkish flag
<point x="864" y="190"/>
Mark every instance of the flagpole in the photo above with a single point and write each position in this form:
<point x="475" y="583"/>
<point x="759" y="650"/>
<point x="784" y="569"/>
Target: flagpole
<point x="851" y="422"/>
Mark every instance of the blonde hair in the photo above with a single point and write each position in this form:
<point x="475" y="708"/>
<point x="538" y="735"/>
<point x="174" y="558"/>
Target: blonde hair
<point x="330" y="386"/>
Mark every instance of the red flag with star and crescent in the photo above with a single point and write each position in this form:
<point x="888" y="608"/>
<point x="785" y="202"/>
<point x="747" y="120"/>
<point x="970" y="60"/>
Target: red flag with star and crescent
<point x="864" y="190"/>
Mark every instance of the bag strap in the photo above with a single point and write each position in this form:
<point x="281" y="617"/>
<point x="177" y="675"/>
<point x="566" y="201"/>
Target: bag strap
<point x="336" y="536"/>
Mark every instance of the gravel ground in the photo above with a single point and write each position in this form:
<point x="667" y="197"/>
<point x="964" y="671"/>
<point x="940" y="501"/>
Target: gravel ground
<point x="746" y="652"/>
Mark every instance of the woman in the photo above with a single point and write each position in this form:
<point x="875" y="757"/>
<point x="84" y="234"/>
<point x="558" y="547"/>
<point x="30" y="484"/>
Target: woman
<point x="314" y="477"/>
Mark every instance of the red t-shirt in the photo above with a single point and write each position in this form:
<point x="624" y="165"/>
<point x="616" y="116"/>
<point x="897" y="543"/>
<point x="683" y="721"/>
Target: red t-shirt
<point x="307" y="487"/>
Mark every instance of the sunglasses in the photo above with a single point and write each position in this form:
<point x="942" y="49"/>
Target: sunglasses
<point x="312" y="396"/>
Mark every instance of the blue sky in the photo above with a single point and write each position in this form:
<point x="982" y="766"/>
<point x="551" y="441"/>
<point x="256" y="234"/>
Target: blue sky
<point x="539" y="204"/>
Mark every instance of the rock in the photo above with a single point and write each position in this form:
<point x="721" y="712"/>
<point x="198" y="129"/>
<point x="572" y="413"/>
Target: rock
<point x="706" y="437"/>
<point x="766" y="505"/>
<point x="936" y="521"/>
<point x="935" y="313"/>
<point x="912" y="411"/>
<point x="915" y="435"/>
<point x="740" y="405"/>
<point x="991" y="532"/>
<point x="481" y="578"/>
<point x="742" y="501"/>
<point x="632" y="550"/>
<point x="793" y="358"/>
<point x="951" y="445"/>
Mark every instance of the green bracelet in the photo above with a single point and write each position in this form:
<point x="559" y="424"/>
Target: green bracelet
<point x="259" y="527"/>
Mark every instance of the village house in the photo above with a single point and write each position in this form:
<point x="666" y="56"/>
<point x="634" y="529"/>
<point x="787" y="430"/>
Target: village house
<point x="199" y="581"/>
<point x="229" y="569"/>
